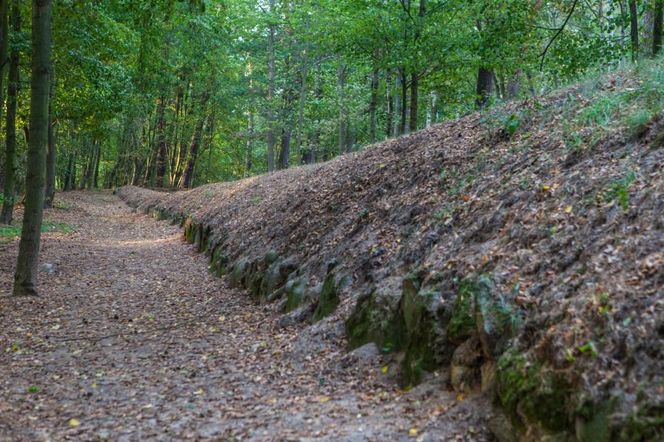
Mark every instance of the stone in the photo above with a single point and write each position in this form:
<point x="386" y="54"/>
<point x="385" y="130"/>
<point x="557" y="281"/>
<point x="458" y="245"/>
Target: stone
<point x="465" y="375"/>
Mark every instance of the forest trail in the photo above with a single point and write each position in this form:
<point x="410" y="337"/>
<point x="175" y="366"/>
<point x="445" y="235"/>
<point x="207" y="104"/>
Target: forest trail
<point x="133" y="339"/>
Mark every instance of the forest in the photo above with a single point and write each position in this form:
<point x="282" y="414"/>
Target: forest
<point x="176" y="94"/>
<point x="357" y="220"/>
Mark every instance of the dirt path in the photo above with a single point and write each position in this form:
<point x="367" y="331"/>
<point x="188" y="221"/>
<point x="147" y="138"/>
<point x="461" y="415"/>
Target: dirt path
<point x="132" y="339"/>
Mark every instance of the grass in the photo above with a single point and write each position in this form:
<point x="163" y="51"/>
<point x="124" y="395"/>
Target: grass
<point x="9" y="233"/>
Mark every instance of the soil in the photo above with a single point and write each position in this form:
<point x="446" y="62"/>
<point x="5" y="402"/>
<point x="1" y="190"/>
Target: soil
<point x="131" y="338"/>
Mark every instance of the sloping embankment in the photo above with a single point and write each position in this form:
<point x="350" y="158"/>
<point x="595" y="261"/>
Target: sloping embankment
<point x="524" y="250"/>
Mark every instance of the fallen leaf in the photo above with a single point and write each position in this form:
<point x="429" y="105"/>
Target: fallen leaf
<point x="73" y="422"/>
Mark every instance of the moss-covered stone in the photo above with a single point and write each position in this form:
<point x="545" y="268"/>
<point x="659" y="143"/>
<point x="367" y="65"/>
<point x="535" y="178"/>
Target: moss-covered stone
<point x="238" y="272"/>
<point x="593" y="422"/>
<point x="534" y="395"/>
<point x="420" y="330"/>
<point x="462" y="323"/>
<point x="218" y="261"/>
<point x="328" y="299"/>
<point x="374" y="319"/>
<point x="189" y="229"/>
<point x="295" y="293"/>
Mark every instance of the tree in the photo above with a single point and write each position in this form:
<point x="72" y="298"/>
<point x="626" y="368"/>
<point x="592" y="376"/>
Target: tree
<point x="10" y="143"/>
<point x="28" y="256"/>
<point x="657" y="27"/>
<point x="634" y="29"/>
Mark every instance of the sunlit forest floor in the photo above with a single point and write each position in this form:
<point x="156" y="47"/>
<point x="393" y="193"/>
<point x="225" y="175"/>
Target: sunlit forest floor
<point x="133" y="339"/>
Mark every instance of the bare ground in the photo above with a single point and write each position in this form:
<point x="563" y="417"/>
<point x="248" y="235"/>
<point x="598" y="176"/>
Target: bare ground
<point x="133" y="339"/>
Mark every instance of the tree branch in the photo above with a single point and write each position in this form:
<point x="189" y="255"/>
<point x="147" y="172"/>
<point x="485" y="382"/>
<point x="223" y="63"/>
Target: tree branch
<point x="560" y="31"/>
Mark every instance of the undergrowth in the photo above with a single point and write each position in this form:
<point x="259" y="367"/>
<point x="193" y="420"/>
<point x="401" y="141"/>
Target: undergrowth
<point x="8" y="233"/>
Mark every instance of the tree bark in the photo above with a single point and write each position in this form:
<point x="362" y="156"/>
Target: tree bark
<point x="188" y="176"/>
<point x="250" y="145"/>
<point x="12" y="100"/>
<point x="343" y="118"/>
<point x="389" y="124"/>
<point x="485" y="87"/>
<point x="414" y="100"/>
<point x="404" y="100"/>
<point x="657" y="27"/>
<point x="634" y="29"/>
<point x="95" y="175"/>
<point x="51" y="156"/>
<point x="270" y="91"/>
<point x="4" y="48"/>
<point x="70" y="173"/>
<point x="25" y="279"/>
<point x="162" y="147"/>
<point x="414" y="83"/>
<point x="373" y="106"/>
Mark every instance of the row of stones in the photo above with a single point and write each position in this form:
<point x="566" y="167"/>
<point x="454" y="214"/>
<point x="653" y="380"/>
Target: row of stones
<point x="471" y="334"/>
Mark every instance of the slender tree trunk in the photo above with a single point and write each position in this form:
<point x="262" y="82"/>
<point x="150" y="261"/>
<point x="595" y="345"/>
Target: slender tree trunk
<point x="485" y="87"/>
<point x="12" y="100"/>
<point x="188" y="176"/>
<point x="414" y="82"/>
<point x="70" y="172"/>
<point x="373" y="106"/>
<point x="162" y="147"/>
<point x="634" y="29"/>
<point x="299" y="132"/>
<point x="389" y="124"/>
<point x="657" y="27"/>
<point x="51" y="156"/>
<point x="414" y="101"/>
<point x="343" y="119"/>
<point x="514" y="85"/>
<point x="4" y="49"/>
<point x="404" y="100"/>
<point x="270" y="91"/>
<point x="25" y="280"/>
<point x="95" y="176"/>
<point x="250" y="145"/>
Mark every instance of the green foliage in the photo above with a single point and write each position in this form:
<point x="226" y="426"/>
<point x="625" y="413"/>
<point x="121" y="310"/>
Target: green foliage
<point x="619" y="190"/>
<point x="14" y="231"/>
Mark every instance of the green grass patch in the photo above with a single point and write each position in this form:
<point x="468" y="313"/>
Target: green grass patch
<point x="8" y="233"/>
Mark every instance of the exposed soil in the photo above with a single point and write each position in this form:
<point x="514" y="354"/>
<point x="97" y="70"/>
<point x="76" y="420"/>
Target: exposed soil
<point x="133" y="339"/>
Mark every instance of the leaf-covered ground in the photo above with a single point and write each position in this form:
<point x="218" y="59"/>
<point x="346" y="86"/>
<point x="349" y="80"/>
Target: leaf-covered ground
<point x="557" y="201"/>
<point x="133" y="339"/>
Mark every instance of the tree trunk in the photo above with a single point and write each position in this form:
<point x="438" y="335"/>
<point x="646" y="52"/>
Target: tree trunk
<point x="250" y="145"/>
<point x="634" y="29"/>
<point x="188" y="176"/>
<point x="389" y="125"/>
<point x="51" y="156"/>
<point x="95" y="176"/>
<point x="4" y="48"/>
<point x="414" y="86"/>
<point x="414" y="99"/>
<point x="70" y="173"/>
<point x="299" y="132"/>
<point x="12" y="100"/>
<point x="373" y="106"/>
<point x="341" y="88"/>
<point x="25" y="280"/>
<point x="485" y="87"/>
<point x="270" y="91"/>
<point x="657" y="27"/>
<point x="404" y="100"/>
<point x="514" y="85"/>
<point x="162" y="147"/>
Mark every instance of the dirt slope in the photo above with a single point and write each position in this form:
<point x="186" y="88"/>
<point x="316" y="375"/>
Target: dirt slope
<point x="132" y="339"/>
<point x="519" y="251"/>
